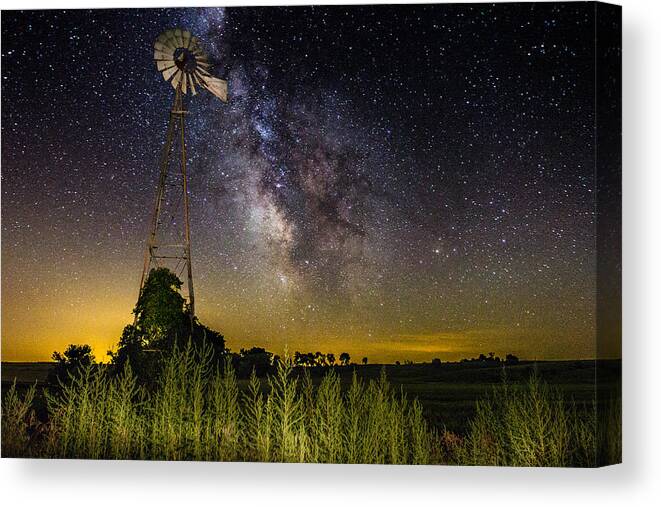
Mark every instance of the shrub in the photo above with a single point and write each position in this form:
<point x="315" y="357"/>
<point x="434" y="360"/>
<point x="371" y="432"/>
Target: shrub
<point x="70" y="363"/>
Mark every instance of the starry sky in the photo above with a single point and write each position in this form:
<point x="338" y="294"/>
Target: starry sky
<point x="396" y="182"/>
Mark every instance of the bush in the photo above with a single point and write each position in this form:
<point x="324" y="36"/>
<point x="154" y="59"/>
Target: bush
<point x="162" y="323"/>
<point x="255" y="359"/>
<point x="70" y="364"/>
<point x="511" y="359"/>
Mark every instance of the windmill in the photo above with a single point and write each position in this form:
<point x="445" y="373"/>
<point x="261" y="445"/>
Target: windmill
<point x="184" y="64"/>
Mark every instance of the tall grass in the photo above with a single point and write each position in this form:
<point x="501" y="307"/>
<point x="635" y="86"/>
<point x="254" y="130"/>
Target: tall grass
<point x="196" y="413"/>
<point x="533" y="425"/>
<point x="199" y="413"/>
<point x="609" y="430"/>
<point x="17" y="421"/>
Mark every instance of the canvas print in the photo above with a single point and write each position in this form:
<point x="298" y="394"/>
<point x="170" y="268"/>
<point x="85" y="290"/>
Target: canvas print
<point x="379" y="234"/>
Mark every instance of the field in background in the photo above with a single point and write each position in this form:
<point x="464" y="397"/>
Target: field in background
<point x="447" y="392"/>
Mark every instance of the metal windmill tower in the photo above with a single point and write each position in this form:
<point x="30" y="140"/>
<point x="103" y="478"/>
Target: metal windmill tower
<point x="183" y="63"/>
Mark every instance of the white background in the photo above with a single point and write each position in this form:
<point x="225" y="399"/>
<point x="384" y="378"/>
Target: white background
<point x="636" y="482"/>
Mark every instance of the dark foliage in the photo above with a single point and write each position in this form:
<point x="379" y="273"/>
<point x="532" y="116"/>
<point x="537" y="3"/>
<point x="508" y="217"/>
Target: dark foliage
<point x="70" y="363"/>
<point x="311" y="359"/>
<point x="492" y="359"/>
<point x="511" y="359"/>
<point x="255" y="359"/>
<point x="162" y="321"/>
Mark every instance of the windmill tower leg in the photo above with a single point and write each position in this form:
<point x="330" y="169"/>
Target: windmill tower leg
<point x="184" y="176"/>
<point x="159" y="251"/>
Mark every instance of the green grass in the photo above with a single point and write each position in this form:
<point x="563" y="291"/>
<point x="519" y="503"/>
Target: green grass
<point x="410" y="414"/>
<point x="448" y="393"/>
<point x="533" y="425"/>
<point x="199" y="414"/>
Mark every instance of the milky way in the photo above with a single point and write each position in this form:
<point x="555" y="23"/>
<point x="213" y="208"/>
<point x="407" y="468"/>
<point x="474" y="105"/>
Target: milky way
<point x="404" y="183"/>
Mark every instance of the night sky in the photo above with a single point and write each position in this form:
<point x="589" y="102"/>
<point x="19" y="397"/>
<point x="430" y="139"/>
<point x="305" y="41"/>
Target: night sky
<point x="396" y="182"/>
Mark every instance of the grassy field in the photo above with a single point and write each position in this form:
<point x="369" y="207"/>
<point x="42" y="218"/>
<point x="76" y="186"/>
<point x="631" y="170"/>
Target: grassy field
<point x="544" y="414"/>
<point x="447" y="392"/>
<point x="24" y="373"/>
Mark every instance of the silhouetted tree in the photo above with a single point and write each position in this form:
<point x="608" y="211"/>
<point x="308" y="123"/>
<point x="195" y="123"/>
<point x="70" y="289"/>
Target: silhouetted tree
<point x="70" y="363"/>
<point x="303" y="359"/>
<point x="364" y="360"/>
<point x="511" y="359"/>
<point x="257" y="359"/>
<point x="345" y="358"/>
<point x="133" y="349"/>
<point x="203" y="334"/>
<point x="436" y="361"/>
<point x="310" y="359"/>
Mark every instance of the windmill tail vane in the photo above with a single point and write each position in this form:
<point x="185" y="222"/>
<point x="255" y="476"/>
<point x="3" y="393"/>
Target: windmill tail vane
<point x="183" y="63"/>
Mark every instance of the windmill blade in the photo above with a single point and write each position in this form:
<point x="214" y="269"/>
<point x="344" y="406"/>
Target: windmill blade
<point x="179" y="37"/>
<point x="201" y="78"/>
<point x="176" y="79"/>
<point x="218" y="87"/>
<point x="167" y="74"/>
<point x="171" y="39"/>
<point x="160" y="55"/>
<point x="163" y="47"/>
<point x="199" y="53"/>
<point x="184" y="82"/>
<point x="197" y="50"/>
<point x="163" y="38"/>
<point x="190" y="83"/>
<point x="198" y="79"/>
<point x="202" y="59"/>
<point x="186" y="36"/>
<point x="162" y="65"/>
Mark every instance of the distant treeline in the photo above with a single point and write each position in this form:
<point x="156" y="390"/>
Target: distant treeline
<point x="491" y="357"/>
<point x="261" y="360"/>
